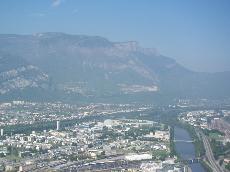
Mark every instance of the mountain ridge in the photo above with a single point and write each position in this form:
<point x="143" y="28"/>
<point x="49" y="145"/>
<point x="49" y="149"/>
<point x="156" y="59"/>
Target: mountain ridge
<point x="92" y="66"/>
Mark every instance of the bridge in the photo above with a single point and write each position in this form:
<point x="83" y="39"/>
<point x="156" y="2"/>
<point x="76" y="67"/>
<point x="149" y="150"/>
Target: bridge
<point x="185" y="141"/>
<point x="191" y="161"/>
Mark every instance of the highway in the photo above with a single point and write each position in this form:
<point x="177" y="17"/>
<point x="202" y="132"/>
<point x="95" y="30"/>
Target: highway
<point x="209" y="154"/>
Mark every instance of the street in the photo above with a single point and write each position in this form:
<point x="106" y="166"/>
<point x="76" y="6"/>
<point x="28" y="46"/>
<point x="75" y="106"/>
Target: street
<point x="209" y="154"/>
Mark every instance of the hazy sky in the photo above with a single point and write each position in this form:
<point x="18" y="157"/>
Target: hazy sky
<point x="194" y="32"/>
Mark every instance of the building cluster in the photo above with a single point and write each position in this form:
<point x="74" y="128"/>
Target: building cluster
<point x="24" y="113"/>
<point x="100" y="144"/>
<point x="209" y="119"/>
<point x="162" y="166"/>
<point x="215" y="125"/>
<point x="200" y="118"/>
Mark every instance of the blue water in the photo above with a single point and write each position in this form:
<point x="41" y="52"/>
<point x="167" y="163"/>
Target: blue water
<point x="186" y="150"/>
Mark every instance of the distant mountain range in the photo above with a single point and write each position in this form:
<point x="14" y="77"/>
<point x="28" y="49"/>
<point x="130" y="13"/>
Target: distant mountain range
<point x="58" y="66"/>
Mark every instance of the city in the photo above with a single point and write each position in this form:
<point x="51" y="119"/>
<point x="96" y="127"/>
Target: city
<point x="115" y="86"/>
<point x="109" y="137"/>
<point x="108" y="144"/>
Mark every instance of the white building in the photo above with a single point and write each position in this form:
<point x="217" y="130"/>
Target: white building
<point x="58" y="125"/>
<point x="138" y="157"/>
<point x="2" y="132"/>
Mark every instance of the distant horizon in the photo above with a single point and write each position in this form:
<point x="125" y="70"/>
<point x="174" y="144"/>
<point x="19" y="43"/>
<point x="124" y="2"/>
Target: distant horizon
<point x="194" y="33"/>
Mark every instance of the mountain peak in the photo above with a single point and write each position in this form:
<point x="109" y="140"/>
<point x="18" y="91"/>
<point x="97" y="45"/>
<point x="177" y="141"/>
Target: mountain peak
<point x="106" y="68"/>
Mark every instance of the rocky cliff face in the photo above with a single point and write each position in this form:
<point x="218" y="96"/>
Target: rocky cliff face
<point x="92" y="66"/>
<point x="16" y="75"/>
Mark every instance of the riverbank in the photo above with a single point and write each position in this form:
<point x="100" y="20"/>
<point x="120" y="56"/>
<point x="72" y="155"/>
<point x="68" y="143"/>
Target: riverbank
<point x="206" y="166"/>
<point x="186" y="149"/>
<point x="198" y="144"/>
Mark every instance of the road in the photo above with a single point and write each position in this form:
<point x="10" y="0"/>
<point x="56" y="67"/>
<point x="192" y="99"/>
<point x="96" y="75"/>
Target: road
<point x="209" y="154"/>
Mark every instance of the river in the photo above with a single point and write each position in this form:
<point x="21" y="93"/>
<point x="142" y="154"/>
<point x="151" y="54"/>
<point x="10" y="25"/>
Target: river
<point x="186" y="150"/>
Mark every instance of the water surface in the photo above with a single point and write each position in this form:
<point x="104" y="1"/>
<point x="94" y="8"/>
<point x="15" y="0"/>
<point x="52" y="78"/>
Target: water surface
<point x="186" y="150"/>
